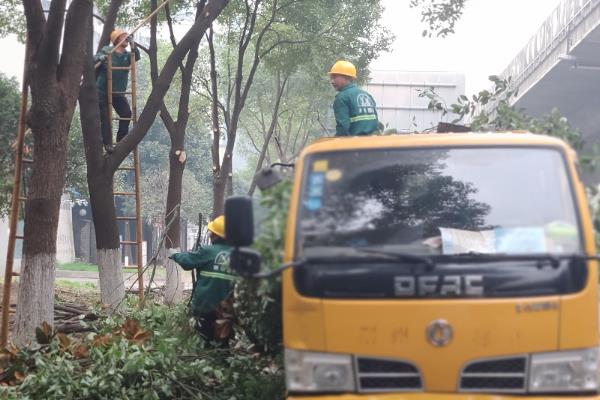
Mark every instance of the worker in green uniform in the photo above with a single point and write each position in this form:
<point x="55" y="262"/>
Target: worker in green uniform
<point x="354" y="109"/>
<point x="214" y="279"/>
<point x="120" y="58"/>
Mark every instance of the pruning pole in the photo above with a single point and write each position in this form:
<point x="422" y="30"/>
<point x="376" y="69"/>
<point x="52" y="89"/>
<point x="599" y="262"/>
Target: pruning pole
<point x="144" y="21"/>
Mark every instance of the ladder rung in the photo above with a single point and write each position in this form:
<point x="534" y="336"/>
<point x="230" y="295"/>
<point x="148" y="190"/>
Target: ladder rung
<point x="16" y="274"/>
<point x="122" y="92"/>
<point x="129" y="242"/>
<point x="22" y="198"/>
<point x="19" y="237"/>
<point x="123" y="119"/>
<point x="121" y="68"/>
<point x="27" y="161"/>
<point x="126" y="218"/>
<point x="126" y="168"/>
<point x="124" y="193"/>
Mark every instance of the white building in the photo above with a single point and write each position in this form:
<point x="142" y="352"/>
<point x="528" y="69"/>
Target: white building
<point x="397" y="96"/>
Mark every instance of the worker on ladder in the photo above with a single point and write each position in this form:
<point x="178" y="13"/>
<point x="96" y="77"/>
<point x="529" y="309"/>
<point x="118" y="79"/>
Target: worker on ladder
<point x="354" y="109"/>
<point x="120" y="58"/>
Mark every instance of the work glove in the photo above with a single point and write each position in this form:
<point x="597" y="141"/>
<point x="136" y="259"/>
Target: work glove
<point x="102" y="57"/>
<point x="130" y="40"/>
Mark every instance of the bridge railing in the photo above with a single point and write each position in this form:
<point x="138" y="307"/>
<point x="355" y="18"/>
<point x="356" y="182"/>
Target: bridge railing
<point x="567" y="15"/>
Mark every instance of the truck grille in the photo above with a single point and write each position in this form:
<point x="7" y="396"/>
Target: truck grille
<point x="385" y="375"/>
<point x="500" y="375"/>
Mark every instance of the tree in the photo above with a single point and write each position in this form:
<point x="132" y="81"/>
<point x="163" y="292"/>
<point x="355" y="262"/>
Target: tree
<point x="9" y="116"/>
<point x="278" y="122"/>
<point x="280" y="33"/>
<point x="177" y="155"/>
<point x="54" y="79"/>
<point x="101" y="169"/>
<point x="439" y="15"/>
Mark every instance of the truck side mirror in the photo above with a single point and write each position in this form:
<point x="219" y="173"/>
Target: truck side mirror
<point x="239" y="221"/>
<point x="245" y="262"/>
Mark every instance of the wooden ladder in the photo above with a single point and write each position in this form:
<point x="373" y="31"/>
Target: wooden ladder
<point x="135" y="168"/>
<point x="19" y="196"/>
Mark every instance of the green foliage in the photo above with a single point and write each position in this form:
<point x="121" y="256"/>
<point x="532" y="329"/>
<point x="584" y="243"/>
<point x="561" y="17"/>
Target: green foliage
<point x="439" y="15"/>
<point x="10" y="96"/>
<point x="76" y="167"/>
<point x="12" y="19"/>
<point x="153" y="354"/>
<point x="258" y="302"/>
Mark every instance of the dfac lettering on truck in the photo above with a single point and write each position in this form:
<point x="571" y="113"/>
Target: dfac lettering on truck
<point x="435" y="266"/>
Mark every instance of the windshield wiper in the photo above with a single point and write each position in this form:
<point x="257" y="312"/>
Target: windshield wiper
<point x="361" y="255"/>
<point x="473" y="257"/>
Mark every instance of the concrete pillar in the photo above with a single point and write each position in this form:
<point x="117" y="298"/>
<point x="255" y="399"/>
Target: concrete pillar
<point x="65" y="246"/>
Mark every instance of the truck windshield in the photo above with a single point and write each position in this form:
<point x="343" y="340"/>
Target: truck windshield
<point x="426" y="201"/>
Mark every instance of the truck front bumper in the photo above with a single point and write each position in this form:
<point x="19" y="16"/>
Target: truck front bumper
<point x="439" y="396"/>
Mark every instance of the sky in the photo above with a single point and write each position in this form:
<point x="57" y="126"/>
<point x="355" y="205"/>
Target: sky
<point x="487" y="38"/>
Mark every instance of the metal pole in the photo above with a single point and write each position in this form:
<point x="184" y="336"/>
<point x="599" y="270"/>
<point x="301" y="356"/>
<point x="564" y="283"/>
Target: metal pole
<point x="14" y="205"/>
<point x="136" y="161"/>
<point x="109" y="91"/>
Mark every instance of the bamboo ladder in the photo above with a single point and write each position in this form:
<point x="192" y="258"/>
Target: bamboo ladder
<point x="128" y="168"/>
<point x="19" y="196"/>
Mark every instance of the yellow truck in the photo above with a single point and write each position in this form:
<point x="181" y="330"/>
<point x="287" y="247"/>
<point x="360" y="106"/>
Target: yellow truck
<point x="435" y="266"/>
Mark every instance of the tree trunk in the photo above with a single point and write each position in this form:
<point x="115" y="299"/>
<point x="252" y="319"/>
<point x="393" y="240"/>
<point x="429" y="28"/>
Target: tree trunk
<point x="110" y="271"/>
<point x="35" y="303"/>
<point x="112" y="288"/>
<point x="54" y="81"/>
<point x="219" y="188"/>
<point x="41" y="210"/>
<point x="174" y="281"/>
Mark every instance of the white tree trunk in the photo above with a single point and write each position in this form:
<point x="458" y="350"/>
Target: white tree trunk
<point x="174" y="283"/>
<point x="35" y="303"/>
<point x="112" y="285"/>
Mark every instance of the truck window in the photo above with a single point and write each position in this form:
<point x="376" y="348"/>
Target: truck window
<point x="511" y="200"/>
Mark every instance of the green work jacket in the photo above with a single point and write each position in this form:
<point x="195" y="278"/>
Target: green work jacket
<point x="214" y="279"/>
<point x="119" y="77"/>
<point x="355" y="112"/>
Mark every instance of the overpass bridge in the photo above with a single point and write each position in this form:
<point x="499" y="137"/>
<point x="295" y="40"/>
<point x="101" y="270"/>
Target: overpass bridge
<point x="560" y="67"/>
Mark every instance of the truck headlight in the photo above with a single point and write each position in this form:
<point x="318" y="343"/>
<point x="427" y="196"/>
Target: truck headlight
<point x="565" y="371"/>
<point x="318" y="372"/>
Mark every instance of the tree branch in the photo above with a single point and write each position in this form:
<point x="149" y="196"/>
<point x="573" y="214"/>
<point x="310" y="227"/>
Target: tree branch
<point x="109" y="23"/>
<point x="74" y="46"/>
<point x="50" y="46"/>
<point x="210" y="12"/>
<point x="36" y="22"/>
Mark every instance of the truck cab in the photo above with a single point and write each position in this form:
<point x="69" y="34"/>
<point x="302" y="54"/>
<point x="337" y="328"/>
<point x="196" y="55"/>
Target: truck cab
<point x="440" y="266"/>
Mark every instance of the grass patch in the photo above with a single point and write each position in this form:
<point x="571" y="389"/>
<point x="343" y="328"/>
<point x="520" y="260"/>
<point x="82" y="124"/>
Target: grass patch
<point x="78" y="266"/>
<point x="81" y="266"/>
<point x="75" y="284"/>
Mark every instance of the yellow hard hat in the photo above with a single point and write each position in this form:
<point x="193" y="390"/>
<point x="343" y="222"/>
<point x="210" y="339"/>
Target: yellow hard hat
<point x="345" y="68"/>
<point x="217" y="226"/>
<point x="115" y="35"/>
